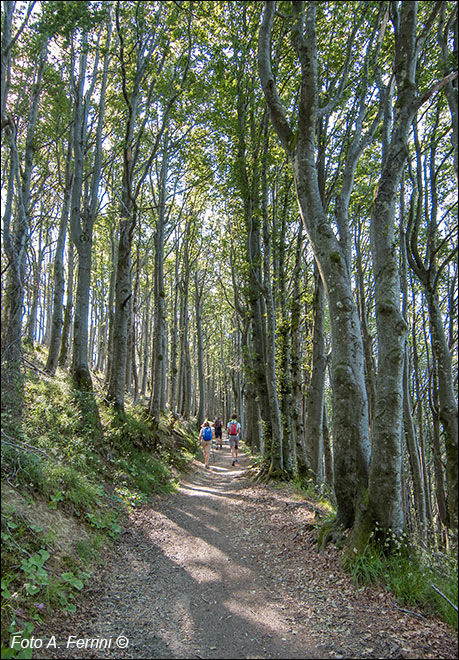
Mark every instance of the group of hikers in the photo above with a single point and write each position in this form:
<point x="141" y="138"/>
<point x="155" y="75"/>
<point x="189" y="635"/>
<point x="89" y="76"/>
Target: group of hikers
<point x="211" y="431"/>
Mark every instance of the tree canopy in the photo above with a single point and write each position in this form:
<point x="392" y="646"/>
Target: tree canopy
<point x="239" y="206"/>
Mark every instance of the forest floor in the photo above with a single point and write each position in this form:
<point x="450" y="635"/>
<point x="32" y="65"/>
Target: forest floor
<point x="229" y="569"/>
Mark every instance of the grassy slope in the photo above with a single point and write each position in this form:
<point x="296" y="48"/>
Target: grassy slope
<point x="68" y="476"/>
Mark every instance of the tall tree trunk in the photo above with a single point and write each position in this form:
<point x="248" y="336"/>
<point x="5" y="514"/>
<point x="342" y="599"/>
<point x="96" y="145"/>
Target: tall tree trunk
<point x="408" y="420"/>
<point x="66" y="328"/>
<point x="110" y="312"/>
<point x="160" y="345"/>
<point x="200" y="351"/>
<point x="15" y="242"/>
<point x="58" y="272"/>
<point x="350" y="404"/>
<point x="277" y="450"/>
<point x="440" y="491"/>
<point x="448" y="412"/>
<point x="315" y="395"/>
<point x="302" y="461"/>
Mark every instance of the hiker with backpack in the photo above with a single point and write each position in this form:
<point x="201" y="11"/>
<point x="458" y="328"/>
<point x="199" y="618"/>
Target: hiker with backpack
<point x="218" y="432"/>
<point x="206" y="435"/>
<point x="234" y="429"/>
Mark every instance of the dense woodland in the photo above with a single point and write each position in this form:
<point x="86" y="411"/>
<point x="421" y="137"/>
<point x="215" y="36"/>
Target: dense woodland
<point x="211" y="207"/>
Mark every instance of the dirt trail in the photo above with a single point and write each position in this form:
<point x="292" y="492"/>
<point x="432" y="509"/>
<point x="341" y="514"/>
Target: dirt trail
<point x="226" y="569"/>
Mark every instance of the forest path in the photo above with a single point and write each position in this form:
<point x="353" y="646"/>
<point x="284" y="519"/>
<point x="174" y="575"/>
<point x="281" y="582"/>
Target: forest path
<point x="227" y="569"/>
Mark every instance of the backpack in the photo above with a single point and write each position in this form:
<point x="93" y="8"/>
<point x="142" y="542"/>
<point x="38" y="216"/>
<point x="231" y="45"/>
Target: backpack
<point x="218" y="423"/>
<point x="207" y="433"/>
<point x="233" y="428"/>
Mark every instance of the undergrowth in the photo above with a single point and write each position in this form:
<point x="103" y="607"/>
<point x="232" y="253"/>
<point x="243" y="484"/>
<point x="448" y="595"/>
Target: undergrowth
<point x="414" y="576"/>
<point x="72" y="471"/>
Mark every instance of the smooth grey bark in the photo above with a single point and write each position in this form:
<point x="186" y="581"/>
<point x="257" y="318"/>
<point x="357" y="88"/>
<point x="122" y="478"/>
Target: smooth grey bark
<point x="440" y="489"/>
<point x="448" y="411"/>
<point x="85" y="202"/>
<point x="350" y="406"/>
<point x="160" y="344"/>
<point x="428" y="272"/>
<point x="143" y="52"/>
<point x="256" y="300"/>
<point x="257" y="326"/>
<point x="251" y="410"/>
<point x="185" y="374"/>
<point x="198" y="294"/>
<point x="36" y="257"/>
<point x="58" y="271"/>
<point x="302" y="462"/>
<point x="328" y="454"/>
<point x="15" y="239"/>
<point x="408" y="419"/>
<point x="7" y="44"/>
<point x="249" y="144"/>
<point x="110" y="311"/>
<point x="386" y="462"/>
<point x="368" y="341"/>
<point x="420" y="412"/>
<point x="385" y="504"/>
<point x="146" y="46"/>
<point x="284" y="334"/>
<point x="128" y="218"/>
<point x="173" y="371"/>
<point x="146" y="337"/>
<point x="82" y="241"/>
<point x="7" y="30"/>
<point x="134" y="378"/>
<point x="278" y="450"/>
<point x="316" y="389"/>
<point x="66" y="327"/>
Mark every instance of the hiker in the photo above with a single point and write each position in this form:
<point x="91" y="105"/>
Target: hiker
<point x="218" y="432"/>
<point x="234" y="429"/>
<point x="206" y="435"/>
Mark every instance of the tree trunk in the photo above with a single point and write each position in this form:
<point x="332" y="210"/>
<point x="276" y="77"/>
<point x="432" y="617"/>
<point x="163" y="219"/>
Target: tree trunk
<point x="200" y="351"/>
<point x="350" y="404"/>
<point x="15" y="242"/>
<point x="315" y="395"/>
<point x="448" y="412"/>
<point x="66" y="328"/>
<point x="302" y="461"/>
<point x="59" y="282"/>
<point x="160" y="345"/>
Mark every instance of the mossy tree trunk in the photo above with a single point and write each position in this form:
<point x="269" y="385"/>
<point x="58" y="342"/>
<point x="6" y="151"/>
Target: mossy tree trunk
<point x="352" y="446"/>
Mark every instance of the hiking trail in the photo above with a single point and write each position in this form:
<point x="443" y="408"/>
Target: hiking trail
<point x="229" y="569"/>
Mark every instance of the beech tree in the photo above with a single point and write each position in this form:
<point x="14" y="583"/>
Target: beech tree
<point x="16" y="216"/>
<point x="352" y="448"/>
<point x="250" y="207"/>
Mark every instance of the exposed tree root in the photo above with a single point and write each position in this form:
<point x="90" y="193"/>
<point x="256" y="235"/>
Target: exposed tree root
<point x="331" y="532"/>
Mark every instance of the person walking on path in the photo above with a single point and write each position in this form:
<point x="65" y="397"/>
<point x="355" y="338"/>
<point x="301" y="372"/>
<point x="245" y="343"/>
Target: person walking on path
<point x="234" y="430"/>
<point x="218" y="432"/>
<point x="206" y="435"/>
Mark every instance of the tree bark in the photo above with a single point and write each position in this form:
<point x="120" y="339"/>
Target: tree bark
<point x="160" y="345"/>
<point x="350" y="400"/>
<point x="59" y="282"/>
<point x="315" y="395"/>
<point x="15" y="242"/>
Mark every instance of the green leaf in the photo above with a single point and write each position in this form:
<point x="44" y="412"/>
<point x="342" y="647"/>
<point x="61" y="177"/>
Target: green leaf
<point x="73" y="580"/>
